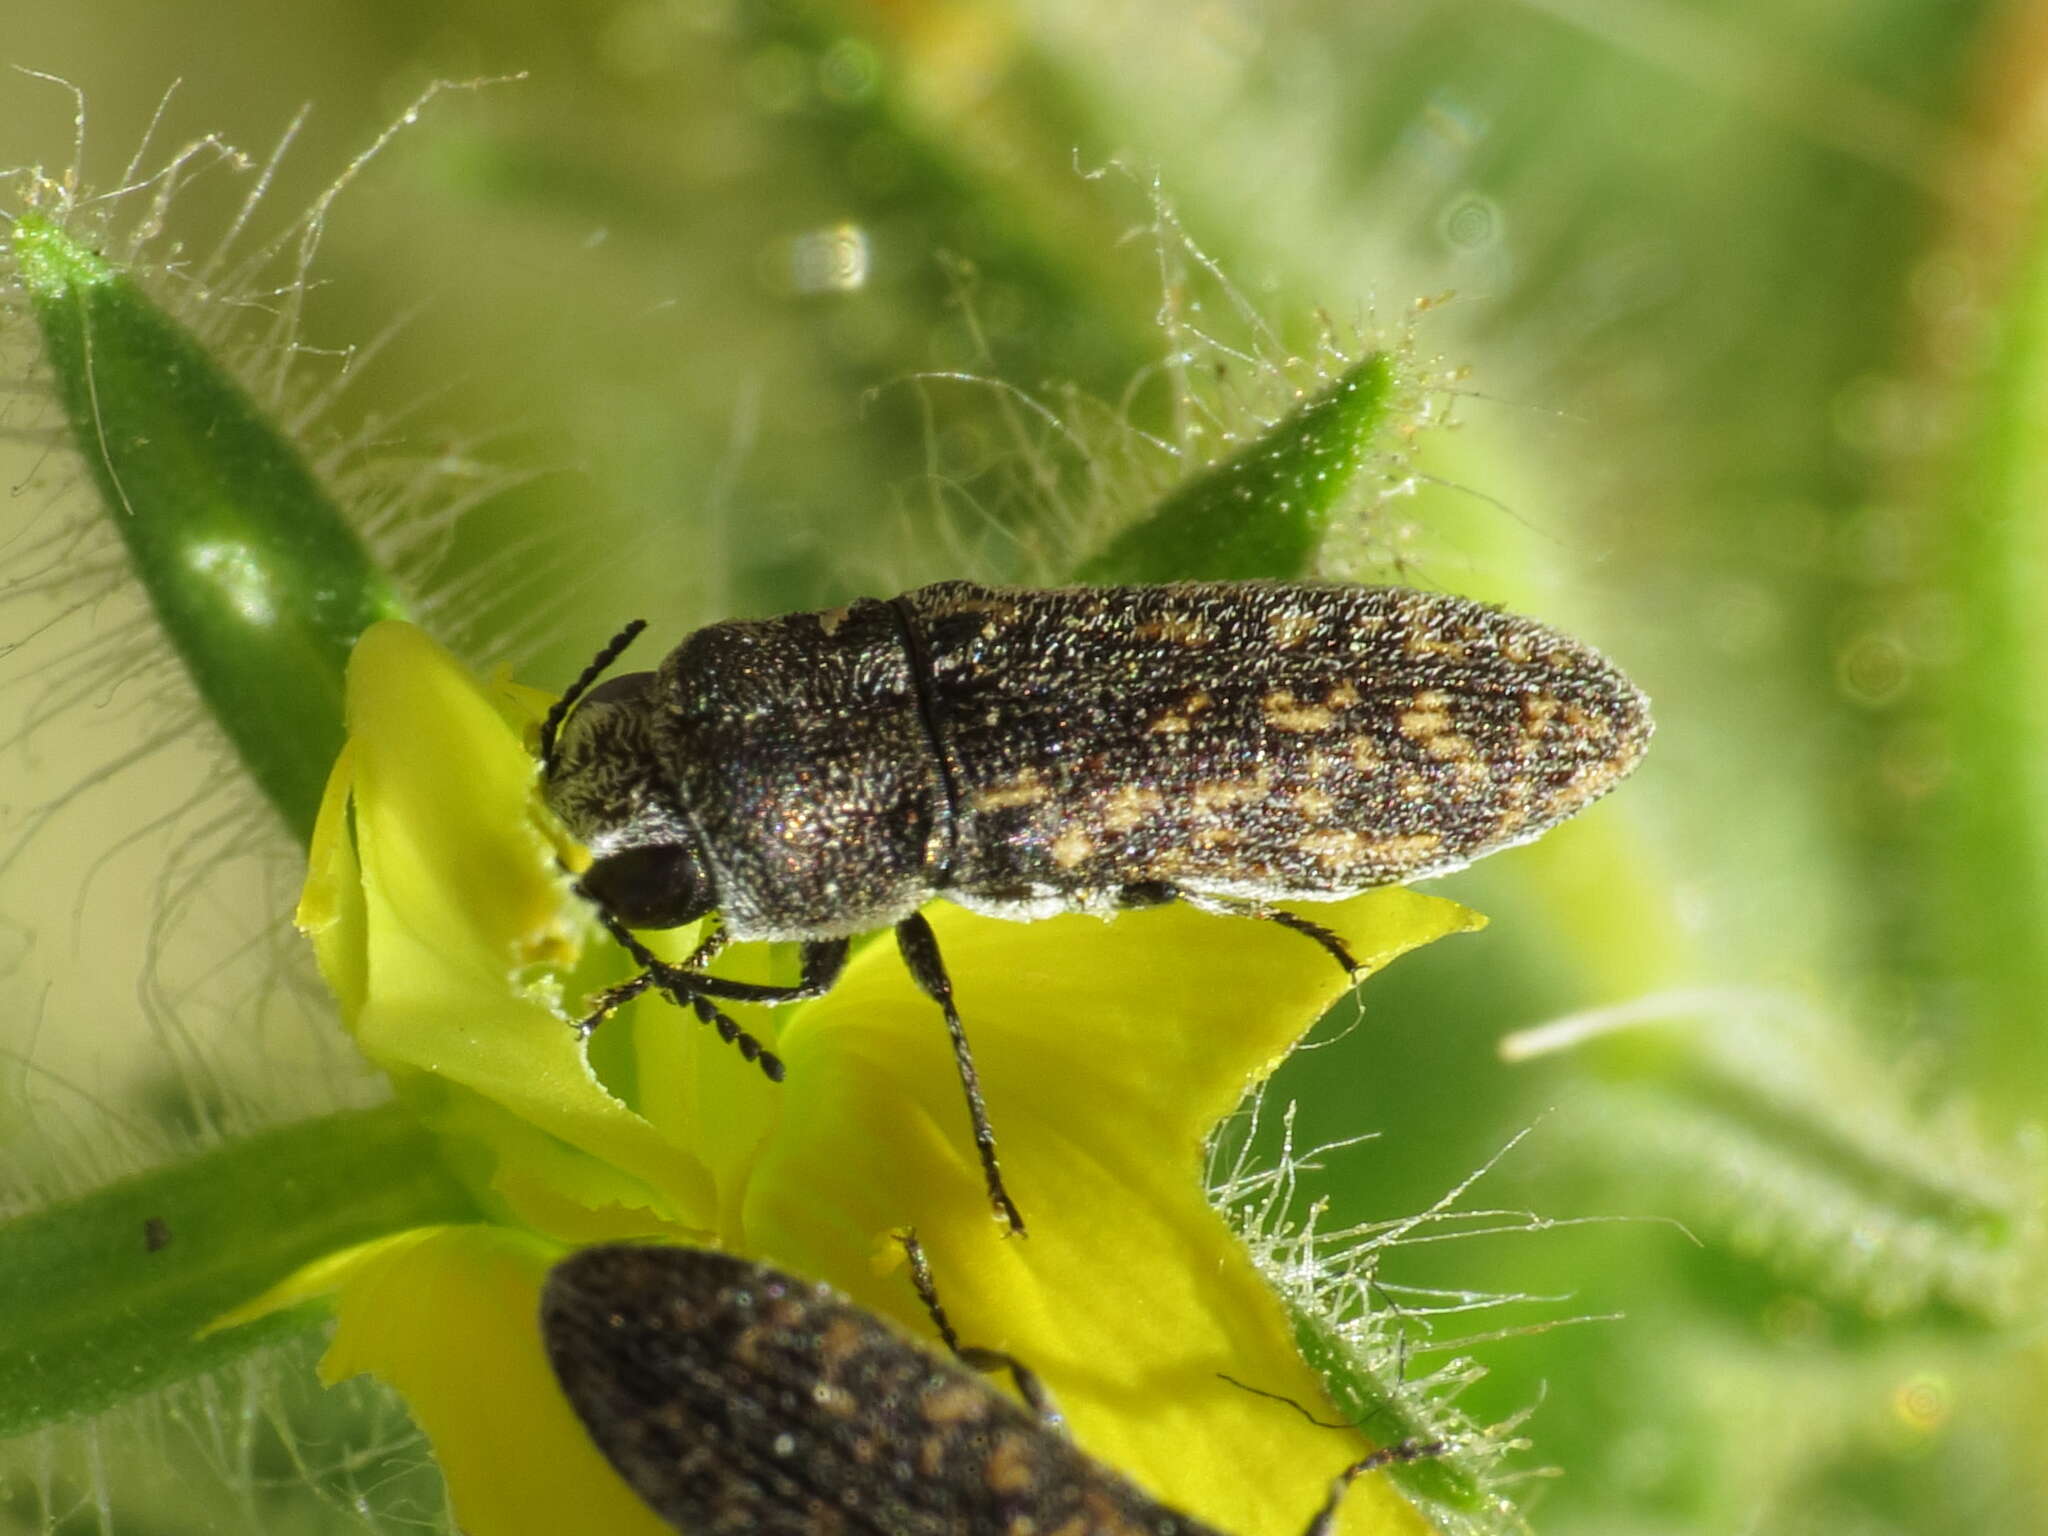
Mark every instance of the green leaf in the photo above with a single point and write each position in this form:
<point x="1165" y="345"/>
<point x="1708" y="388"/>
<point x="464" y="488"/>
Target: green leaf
<point x="103" y="1297"/>
<point x="260" y="585"/>
<point x="1263" y="511"/>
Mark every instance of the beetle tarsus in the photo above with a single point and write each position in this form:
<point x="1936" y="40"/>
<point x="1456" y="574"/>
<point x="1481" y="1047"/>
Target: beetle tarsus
<point x="1323" y="938"/>
<point x="1332" y="945"/>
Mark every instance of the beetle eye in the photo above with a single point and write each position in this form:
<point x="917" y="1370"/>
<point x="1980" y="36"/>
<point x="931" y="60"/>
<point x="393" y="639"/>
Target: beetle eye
<point x="626" y="688"/>
<point x="659" y="886"/>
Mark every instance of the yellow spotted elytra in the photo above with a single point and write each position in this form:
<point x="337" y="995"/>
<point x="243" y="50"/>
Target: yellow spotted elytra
<point x="1234" y="745"/>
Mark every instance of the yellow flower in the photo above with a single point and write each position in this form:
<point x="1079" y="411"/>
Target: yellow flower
<point x="1108" y="1051"/>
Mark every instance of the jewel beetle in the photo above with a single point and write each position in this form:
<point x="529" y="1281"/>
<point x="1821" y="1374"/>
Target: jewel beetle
<point x="1234" y="745"/>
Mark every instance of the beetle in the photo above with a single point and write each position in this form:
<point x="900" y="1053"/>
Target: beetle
<point x="1233" y="745"/>
<point x="740" y="1400"/>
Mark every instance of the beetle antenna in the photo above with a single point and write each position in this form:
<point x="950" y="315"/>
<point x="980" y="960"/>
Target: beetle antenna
<point x="552" y="725"/>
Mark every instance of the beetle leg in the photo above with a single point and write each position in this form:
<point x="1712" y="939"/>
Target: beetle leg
<point x="1029" y="1387"/>
<point x="823" y="960"/>
<point x="709" y="948"/>
<point x="1333" y="946"/>
<point x="679" y="990"/>
<point x="687" y="986"/>
<point x="1327" y="941"/>
<point x="611" y="1000"/>
<point x="1325" y="1520"/>
<point x="921" y="953"/>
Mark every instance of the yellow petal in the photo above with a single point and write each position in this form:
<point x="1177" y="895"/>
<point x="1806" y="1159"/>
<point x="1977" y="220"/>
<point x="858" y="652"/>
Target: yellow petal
<point x="1107" y="1052"/>
<point x="461" y="902"/>
<point x="450" y="1319"/>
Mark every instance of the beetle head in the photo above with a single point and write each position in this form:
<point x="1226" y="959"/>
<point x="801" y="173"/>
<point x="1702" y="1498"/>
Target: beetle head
<point x="605" y="776"/>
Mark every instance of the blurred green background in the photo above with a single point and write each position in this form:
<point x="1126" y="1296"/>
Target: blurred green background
<point x="1746" y="304"/>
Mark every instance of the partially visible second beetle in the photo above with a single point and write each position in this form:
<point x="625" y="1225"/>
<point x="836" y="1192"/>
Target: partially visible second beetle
<point x="741" y="1401"/>
<point x="1228" y="744"/>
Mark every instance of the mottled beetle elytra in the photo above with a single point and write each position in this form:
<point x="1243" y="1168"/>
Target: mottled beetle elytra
<point x="737" y="1399"/>
<point x="1234" y="745"/>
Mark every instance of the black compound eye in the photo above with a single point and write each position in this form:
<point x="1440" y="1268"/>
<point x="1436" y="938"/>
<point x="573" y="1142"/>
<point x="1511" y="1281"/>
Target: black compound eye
<point x="652" y="887"/>
<point x="623" y="689"/>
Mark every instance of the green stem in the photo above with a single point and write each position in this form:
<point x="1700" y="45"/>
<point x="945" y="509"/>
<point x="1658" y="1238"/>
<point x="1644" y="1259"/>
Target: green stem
<point x="104" y="1297"/>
